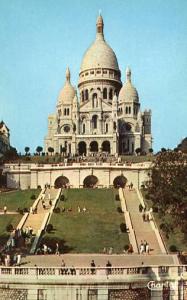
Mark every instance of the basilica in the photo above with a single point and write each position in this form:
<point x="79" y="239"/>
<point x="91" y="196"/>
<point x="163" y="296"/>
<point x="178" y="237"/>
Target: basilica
<point x="102" y="115"/>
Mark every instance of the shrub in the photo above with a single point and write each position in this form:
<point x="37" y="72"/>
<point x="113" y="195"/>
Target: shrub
<point x="126" y="247"/>
<point x="147" y="196"/>
<point x="56" y="210"/>
<point x="9" y="228"/>
<point x="25" y="210"/>
<point x="119" y="210"/>
<point x="21" y="211"/>
<point x="33" y="197"/>
<point x="62" y="197"/>
<point x="117" y="198"/>
<point x="49" y="228"/>
<point x="155" y="209"/>
<point x="39" y="186"/>
<point x="173" y="248"/>
<point x="123" y="227"/>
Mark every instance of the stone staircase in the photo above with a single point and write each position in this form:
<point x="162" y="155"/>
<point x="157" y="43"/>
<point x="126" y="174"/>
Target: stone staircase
<point x="36" y="220"/>
<point x="143" y="230"/>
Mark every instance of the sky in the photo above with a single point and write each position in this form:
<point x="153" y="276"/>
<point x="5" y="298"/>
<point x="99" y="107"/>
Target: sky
<point x="40" y="38"/>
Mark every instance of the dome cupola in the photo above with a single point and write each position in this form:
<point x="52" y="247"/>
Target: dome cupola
<point x="67" y="93"/>
<point x="99" y="54"/>
<point x="128" y="92"/>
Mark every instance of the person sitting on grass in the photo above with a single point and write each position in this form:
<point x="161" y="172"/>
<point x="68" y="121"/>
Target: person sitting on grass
<point x="84" y="209"/>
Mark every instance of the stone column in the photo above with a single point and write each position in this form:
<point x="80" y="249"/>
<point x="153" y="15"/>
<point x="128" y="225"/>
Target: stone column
<point x="102" y="294"/>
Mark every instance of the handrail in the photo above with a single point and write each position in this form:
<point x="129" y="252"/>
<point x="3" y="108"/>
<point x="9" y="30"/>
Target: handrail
<point x="178" y="271"/>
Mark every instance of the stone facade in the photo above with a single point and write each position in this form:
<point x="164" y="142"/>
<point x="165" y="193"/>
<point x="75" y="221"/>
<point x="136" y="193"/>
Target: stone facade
<point x="26" y="176"/>
<point x="106" y="117"/>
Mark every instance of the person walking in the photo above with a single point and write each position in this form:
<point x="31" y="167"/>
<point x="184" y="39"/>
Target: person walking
<point x="141" y="247"/>
<point x="145" y="245"/>
<point x="18" y="259"/>
<point x="5" y="209"/>
<point x="92" y="267"/>
<point x="147" y="248"/>
<point x="108" y="266"/>
<point x="57" y="249"/>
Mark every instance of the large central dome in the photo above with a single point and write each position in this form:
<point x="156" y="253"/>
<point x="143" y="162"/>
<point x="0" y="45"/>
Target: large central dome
<point x="99" y="54"/>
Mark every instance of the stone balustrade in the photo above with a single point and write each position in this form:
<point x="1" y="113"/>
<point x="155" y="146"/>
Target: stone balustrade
<point x="146" y="272"/>
<point x="26" y="167"/>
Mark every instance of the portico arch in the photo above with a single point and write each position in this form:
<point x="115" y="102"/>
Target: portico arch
<point x="61" y="182"/>
<point x="90" y="181"/>
<point x="94" y="146"/>
<point x="82" y="148"/>
<point x="120" y="181"/>
<point x="106" y="146"/>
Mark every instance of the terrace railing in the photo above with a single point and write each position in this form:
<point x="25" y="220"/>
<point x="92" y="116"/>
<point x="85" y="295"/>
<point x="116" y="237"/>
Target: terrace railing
<point x="146" y="272"/>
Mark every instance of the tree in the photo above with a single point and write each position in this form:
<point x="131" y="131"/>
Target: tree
<point x="27" y="149"/>
<point x="11" y="154"/>
<point x="138" y="151"/>
<point x="120" y="181"/>
<point x="150" y="150"/>
<point x="51" y="150"/>
<point x="168" y="185"/>
<point x="39" y="149"/>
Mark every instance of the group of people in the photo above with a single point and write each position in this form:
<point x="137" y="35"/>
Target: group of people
<point x="44" y="205"/>
<point x="107" y="250"/>
<point x="11" y="259"/>
<point x="130" y="186"/>
<point x="45" y="249"/>
<point x="93" y="267"/>
<point x="79" y="209"/>
<point x="144" y="247"/>
<point x="19" y="237"/>
<point x="146" y="215"/>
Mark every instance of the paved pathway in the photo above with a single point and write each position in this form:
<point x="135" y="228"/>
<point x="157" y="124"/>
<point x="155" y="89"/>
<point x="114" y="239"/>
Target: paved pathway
<point x="35" y="220"/>
<point x="83" y="260"/>
<point x="143" y="230"/>
<point x="9" y="213"/>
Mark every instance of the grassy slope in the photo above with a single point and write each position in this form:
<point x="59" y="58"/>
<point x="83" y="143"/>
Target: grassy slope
<point x="16" y="199"/>
<point x="90" y="232"/>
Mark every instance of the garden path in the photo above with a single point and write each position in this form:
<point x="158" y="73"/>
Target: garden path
<point x="143" y="230"/>
<point x="35" y="220"/>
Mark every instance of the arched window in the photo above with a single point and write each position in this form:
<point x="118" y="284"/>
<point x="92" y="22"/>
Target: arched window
<point x="67" y="111"/>
<point x="105" y="93"/>
<point x="86" y="94"/>
<point x="94" y="120"/>
<point x="82" y="95"/>
<point x="83" y="128"/>
<point x="126" y="110"/>
<point x="64" y="111"/>
<point x="106" y="127"/>
<point x="110" y="94"/>
<point x="129" y="110"/>
<point x="94" y="100"/>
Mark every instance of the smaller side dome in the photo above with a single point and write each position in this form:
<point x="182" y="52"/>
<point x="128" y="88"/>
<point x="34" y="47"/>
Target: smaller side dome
<point x="67" y="93"/>
<point x="128" y="92"/>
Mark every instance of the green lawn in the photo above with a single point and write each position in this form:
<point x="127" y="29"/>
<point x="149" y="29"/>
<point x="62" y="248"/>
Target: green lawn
<point x="17" y="199"/>
<point x="4" y="221"/>
<point x="89" y="232"/>
<point x="176" y="237"/>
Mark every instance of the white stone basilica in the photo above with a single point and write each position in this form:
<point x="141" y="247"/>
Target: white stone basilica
<point x="107" y="118"/>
